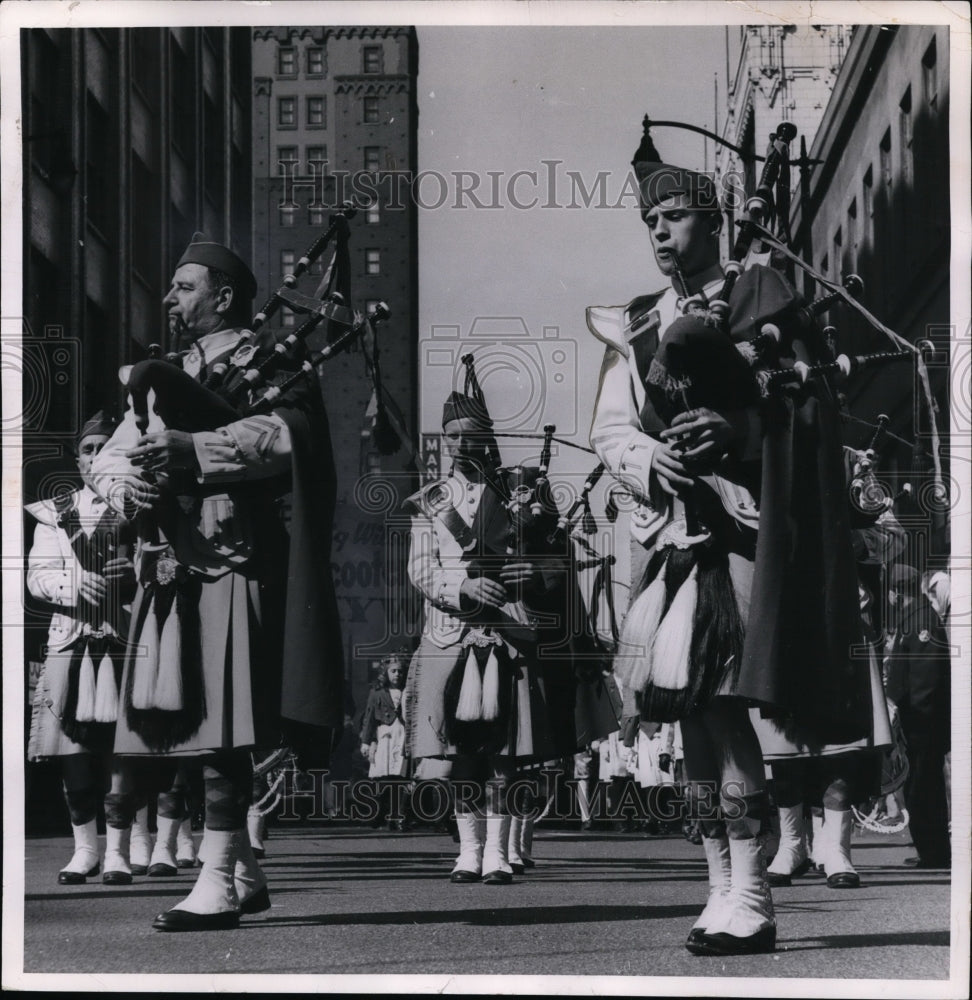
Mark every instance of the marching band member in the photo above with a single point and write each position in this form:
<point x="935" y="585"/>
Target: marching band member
<point x="235" y="633"/>
<point x="479" y="692"/>
<point x="687" y="652"/>
<point x="80" y="562"/>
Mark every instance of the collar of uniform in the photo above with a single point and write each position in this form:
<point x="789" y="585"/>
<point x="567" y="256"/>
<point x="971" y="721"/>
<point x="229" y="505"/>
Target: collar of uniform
<point x="213" y="344"/>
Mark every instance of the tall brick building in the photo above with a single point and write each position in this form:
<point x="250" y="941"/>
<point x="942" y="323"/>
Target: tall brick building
<point x="878" y="205"/>
<point x="335" y="120"/>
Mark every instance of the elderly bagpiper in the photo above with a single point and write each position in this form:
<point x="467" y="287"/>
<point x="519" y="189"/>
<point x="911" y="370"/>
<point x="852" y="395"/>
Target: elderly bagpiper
<point x="235" y="633"/>
<point x="480" y="691"/>
<point x="749" y="595"/>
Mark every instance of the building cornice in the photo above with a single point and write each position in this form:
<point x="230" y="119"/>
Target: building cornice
<point x="361" y="84"/>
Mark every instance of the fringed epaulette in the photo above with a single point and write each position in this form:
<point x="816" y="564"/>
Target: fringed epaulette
<point x="640" y="315"/>
<point x="618" y="326"/>
<point x="427" y="500"/>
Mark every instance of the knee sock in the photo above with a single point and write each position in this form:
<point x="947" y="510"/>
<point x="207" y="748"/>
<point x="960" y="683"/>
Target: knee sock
<point x="120" y="809"/>
<point x="229" y="782"/>
<point x="745" y="815"/>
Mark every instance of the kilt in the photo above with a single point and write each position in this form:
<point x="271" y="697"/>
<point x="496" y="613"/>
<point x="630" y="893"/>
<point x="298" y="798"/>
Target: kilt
<point x="47" y="739"/>
<point x="55" y="699"/>
<point x="238" y="698"/>
<point x="785" y="739"/>
<point x="535" y="731"/>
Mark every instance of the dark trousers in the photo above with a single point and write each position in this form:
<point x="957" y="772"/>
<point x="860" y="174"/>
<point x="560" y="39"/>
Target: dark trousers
<point x="924" y="791"/>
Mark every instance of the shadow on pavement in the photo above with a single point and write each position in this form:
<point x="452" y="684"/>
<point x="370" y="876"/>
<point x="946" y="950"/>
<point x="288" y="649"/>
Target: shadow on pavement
<point x="483" y="917"/>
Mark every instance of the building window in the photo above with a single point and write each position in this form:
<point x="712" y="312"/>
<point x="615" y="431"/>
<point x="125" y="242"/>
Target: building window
<point x="286" y="316"/>
<point x="287" y="112"/>
<point x="372" y="158"/>
<point x="288" y="216"/>
<point x="286" y="161"/>
<point x="886" y="173"/>
<point x="315" y="217"/>
<point x="315" y="112"/>
<point x="315" y="61"/>
<point x="373" y="214"/>
<point x="287" y="60"/>
<point x="929" y="74"/>
<point x="852" y="233"/>
<point x="904" y="135"/>
<point x="371" y="59"/>
<point x="316" y="159"/>
<point x="370" y="110"/>
<point x="372" y="262"/>
<point x="286" y="262"/>
<point x="869" y="193"/>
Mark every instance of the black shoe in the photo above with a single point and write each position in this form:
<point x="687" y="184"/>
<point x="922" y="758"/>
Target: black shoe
<point x="777" y="880"/>
<point x="498" y="877"/>
<point x="585" y="825"/>
<point x="77" y="878"/>
<point x="186" y="862"/>
<point x="139" y="869"/>
<point x="464" y="878"/>
<point x="161" y="870"/>
<point x="929" y="863"/>
<point x="259" y="853"/>
<point x="728" y="944"/>
<point x="183" y="920"/>
<point x="257" y="903"/>
<point x="844" y="880"/>
<point x="518" y="869"/>
<point x="694" y="939"/>
<point x="529" y="863"/>
<point x="117" y="878"/>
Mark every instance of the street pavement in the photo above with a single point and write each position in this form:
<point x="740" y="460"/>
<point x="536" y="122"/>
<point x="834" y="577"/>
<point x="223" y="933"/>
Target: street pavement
<point x="351" y="900"/>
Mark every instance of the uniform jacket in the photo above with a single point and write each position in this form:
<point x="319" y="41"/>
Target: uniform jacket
<point x="54" y="567"/>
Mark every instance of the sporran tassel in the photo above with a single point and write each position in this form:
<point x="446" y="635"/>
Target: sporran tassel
<point x="106" y="695"/>
<point x="490" y="697"/>
<point x="85" y="711"/>
<point x="670" y="660"/>
<point x="145" y="665"/>
<point x="168" y="680"/>
<point x="633" y="661"/>
<point x="470" y="705"/>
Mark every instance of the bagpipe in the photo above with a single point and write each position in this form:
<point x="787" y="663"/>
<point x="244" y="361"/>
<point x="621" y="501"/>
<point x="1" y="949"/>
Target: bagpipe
<point x="754" y="345"/>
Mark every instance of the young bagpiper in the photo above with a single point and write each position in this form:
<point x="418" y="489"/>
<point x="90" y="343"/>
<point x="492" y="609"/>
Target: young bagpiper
<point x="744" y="600"/>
